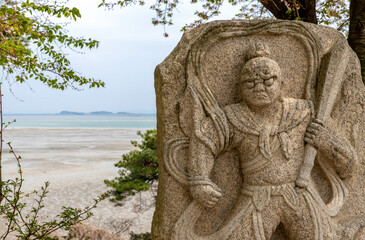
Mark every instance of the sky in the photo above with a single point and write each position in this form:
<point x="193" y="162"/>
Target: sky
<point x="130" y="49"/>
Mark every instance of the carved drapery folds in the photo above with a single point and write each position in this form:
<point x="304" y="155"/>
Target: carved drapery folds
<point x="209" y="143"/>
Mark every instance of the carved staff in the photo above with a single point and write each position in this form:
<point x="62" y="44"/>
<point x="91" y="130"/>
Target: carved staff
<point x="334" y="66"/>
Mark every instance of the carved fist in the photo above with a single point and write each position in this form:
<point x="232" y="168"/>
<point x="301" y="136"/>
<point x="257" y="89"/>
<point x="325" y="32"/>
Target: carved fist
<point x="208" y="195"/>
<point x="317" y="135"/>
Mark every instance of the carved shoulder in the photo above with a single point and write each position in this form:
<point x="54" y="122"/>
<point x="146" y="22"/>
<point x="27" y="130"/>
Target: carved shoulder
<point x="295" y="112"/>
<point x="298" y="105"/>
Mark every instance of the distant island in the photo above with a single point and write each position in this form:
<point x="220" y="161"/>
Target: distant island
<point x="100" y="113"/>
<point x="104" y="113"/>
<point x="70" y="113"/>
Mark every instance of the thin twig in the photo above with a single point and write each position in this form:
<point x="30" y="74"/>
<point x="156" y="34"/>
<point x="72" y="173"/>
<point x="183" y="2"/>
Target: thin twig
<point x="19" y="212"/>
<point x="37" y="209"/>
<point x="1" y="144"/>
<point x="296" y="9"/>
<point x="85" y="211"/>
<point x="17" y="192"/>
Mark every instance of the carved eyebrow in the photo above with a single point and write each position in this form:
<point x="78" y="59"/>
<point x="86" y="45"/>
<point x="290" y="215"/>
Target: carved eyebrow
<point x="268" y="76"/>
<point x="262" y="76"/>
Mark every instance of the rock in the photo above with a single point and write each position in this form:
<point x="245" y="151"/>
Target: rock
<point x="244" y="111"/>
<point x="89" y="232"/>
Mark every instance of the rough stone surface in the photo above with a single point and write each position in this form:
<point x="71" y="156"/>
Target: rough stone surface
<point x="260" y="134"/>
<point x="90" y="232"/>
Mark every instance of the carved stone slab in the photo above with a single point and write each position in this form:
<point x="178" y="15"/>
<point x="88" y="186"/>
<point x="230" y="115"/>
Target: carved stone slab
<point x="260" y="134"/>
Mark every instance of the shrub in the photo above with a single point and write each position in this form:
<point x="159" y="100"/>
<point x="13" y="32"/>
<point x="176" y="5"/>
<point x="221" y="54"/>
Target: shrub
<point x="26" y="224"/>
<point x="138" y="169"/>
<point x="141" y="236"/>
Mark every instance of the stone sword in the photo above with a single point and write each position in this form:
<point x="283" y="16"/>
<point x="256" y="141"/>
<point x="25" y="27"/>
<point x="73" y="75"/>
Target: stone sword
<point x="334" y="65"/>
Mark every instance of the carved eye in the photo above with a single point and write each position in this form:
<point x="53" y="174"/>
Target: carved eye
<point x="269" y="82"/>
<point x="249" y="84"/>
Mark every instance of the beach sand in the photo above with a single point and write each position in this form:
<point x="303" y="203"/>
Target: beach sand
<point x="75" y="162"/>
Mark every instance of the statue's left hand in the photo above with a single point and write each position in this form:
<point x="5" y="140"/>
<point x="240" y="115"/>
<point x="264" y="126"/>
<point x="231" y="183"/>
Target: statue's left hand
<point x="207" y="195"/>
<point x="317" y="134"/>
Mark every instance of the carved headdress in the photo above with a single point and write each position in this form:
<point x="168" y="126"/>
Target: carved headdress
<point x="257" y="49"/>
<point x="258" y="63"/>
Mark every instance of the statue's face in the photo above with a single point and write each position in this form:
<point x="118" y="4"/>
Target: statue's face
<point x="260" y="82"/>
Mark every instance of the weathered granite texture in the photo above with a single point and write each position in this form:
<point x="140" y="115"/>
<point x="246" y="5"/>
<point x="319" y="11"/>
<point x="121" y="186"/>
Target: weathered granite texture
<point x="244" y="108"/>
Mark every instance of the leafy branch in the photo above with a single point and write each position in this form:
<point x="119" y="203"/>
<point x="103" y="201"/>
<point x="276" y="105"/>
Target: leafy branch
<point x="30" y="44"/>
<point x="332" y="12"/>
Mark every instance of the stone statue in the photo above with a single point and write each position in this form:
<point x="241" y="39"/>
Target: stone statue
<point x="275" y="157"/>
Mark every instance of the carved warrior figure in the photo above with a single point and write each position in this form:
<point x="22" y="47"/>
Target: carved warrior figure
<point x="268" y="131"/>
<point x="275" y="138"/>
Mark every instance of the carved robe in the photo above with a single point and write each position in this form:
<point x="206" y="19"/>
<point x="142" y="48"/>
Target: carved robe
<point x="272" y="140"/>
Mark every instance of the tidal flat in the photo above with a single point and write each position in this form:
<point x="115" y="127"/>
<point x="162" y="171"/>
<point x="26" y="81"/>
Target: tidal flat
<point x="76" y="162"/>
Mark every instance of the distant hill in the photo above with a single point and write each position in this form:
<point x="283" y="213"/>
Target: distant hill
<point x="105" y="113"/>
<point x="101" y="113"/>
<point x="71" y="113"/>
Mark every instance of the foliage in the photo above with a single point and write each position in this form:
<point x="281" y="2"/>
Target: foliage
<point x="208" y="9"/>
<point x="25" y="224"/>
<point x="31" y="45"/>
<point x="330" y="12"/>
<point x="334" y="13"/>
<point x="138" y="168"/>
<point x="141" y="236"/>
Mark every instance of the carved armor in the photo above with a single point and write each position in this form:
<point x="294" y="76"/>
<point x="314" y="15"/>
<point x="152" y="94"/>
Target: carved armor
<point x="237" y="160"/>
<point x="273" y="147"/>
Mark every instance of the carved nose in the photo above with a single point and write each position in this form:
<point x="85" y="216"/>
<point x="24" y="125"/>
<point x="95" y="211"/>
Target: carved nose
<point x="259" y="87"/>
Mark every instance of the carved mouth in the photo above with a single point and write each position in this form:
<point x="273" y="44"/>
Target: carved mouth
<point x="261" y="96"/>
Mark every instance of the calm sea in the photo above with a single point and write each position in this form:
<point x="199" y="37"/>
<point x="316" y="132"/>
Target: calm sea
<point x="81" y="121"/>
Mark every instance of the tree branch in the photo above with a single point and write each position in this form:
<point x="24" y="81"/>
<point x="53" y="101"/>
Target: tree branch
<point x="357" y="31"/>
<point x="277" y="8"/>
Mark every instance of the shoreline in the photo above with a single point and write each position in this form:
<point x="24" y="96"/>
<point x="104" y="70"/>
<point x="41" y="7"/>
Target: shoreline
<point x="80" y="122"/>
<point x="72" y="128"/>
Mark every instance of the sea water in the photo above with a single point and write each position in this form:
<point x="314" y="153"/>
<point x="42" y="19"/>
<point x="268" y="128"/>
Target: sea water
<point x="81" y="121"/>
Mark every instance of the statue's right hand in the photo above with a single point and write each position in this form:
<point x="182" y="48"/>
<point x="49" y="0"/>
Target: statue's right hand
<point x="206" y="194"/>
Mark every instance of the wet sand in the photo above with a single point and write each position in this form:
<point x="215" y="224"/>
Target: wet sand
<point x="75" y="162"/>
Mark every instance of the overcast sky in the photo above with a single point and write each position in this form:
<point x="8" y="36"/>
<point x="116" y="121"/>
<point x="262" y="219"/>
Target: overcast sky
<point x="130" y="48"/>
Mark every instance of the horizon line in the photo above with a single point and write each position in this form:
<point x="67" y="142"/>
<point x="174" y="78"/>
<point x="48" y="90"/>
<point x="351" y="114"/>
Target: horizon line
<point x="58" y="113"/>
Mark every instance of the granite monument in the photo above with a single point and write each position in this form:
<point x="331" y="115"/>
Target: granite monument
<point x="260" y="134"/>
